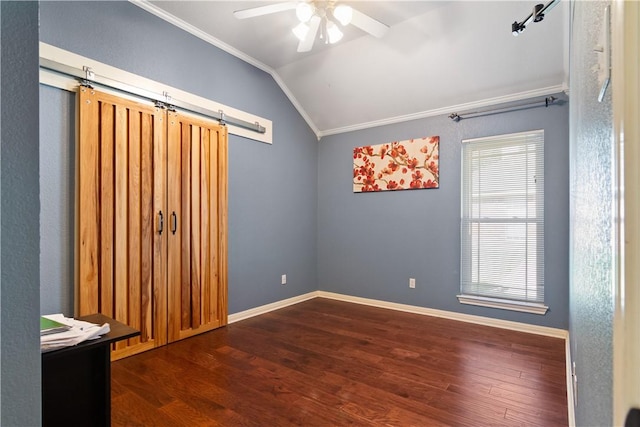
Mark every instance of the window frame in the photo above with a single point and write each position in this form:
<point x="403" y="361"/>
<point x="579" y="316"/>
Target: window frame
<point x="498" y="297"/>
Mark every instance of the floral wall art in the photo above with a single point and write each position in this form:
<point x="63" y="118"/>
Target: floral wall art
<point x="398" y="165"/>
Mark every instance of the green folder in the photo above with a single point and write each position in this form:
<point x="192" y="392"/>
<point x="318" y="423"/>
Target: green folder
<point x="48" y="326"/>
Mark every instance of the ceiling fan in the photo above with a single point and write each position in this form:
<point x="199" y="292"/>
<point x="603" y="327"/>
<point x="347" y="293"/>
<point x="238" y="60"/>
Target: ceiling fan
<point x="319" y="17"/>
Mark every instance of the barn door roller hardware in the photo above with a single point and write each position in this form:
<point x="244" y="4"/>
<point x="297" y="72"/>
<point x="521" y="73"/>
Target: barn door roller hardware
<point x="87" y="77"/>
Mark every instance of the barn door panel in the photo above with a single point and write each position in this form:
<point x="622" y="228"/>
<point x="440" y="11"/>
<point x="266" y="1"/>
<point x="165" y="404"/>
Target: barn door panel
<point x="121" y="192"/>
<point x="197" y="201"/>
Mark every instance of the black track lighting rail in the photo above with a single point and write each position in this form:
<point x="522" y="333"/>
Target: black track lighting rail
<point x="536" y="15"/>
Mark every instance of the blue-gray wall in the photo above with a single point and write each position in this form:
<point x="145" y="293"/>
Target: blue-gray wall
<point x="369" y="245"/>
<point x="291" y="206"/>
<point x="288" y="198"/>
<point x="19" y="206"/>
<point x="272" y="188"/>
<point x="591" y="322"/>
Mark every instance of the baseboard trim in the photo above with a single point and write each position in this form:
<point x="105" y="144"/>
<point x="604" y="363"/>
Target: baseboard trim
<point x="469" y="318"/>
<point x="242" y="315"/>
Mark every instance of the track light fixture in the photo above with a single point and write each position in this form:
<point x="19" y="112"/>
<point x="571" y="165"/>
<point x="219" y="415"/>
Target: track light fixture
<point x="517" y="28"/>
<point x="536" y="15"/>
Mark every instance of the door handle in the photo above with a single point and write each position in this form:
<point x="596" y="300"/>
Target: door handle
<point x="174" y="222"/>
<point x="160" y="222"/>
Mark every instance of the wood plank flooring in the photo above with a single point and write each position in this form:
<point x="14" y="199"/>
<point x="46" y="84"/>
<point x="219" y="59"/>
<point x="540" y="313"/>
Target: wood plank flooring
<point x="329" y="363"/>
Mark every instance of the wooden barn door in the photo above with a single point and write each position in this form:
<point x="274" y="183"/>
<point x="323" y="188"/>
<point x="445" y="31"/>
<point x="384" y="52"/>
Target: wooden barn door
<point x="121" y="191"/>
<point x="152" y="220"/>
<point x="197" y="208"/>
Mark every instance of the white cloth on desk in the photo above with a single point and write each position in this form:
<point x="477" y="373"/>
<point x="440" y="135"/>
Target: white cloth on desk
<point x="80" y="331"/>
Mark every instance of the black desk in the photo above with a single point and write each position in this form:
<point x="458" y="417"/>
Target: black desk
<point x="76" y="381"/>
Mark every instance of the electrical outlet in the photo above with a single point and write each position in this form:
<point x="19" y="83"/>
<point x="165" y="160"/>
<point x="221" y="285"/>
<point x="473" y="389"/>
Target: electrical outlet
<point x="284" y="279"/>
<point x="412" y="283"/>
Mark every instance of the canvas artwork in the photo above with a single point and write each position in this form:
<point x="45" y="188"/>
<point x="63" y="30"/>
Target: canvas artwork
<point x="398" y="165"/>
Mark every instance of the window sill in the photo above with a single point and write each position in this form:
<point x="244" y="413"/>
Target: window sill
<point x="525" y="307"/>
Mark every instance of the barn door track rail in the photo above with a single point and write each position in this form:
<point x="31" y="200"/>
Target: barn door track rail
<point x="88" y="77"/>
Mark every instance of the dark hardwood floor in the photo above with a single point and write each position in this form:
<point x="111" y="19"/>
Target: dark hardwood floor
<point x="331" y="363"/>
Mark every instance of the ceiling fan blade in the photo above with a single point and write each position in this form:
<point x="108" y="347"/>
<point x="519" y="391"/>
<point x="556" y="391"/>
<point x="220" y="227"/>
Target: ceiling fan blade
<point x="264" y="10"/>
<point x="368" y="24"/>
<point x="306" y="44"/>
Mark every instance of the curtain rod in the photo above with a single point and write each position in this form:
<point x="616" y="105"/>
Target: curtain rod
<point x="549" y="100"/>
<point x="87" y="77"/>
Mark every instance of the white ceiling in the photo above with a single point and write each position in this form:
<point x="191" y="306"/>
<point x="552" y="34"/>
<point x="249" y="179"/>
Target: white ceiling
<point x="437" y="57"/>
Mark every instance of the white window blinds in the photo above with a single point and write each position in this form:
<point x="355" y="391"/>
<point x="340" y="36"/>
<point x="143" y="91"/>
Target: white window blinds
<point x="502" y="226"/>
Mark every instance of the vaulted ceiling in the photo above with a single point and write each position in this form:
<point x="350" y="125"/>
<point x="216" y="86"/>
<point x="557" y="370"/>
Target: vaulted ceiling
<point x="436" y="58"/>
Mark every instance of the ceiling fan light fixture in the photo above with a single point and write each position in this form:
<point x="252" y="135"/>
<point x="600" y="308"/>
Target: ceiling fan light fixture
<point x="301" y="30"/>
<point x="304" y="11"/>
<point x="320" y="19"/>
<point x="334" y="34"/>
<point x="343" y="14"/>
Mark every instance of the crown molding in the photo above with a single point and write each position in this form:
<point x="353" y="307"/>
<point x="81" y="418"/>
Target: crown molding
<point x="489" y="102"/>
<point x="162" y="14"/>
<point x="173" y="20"/>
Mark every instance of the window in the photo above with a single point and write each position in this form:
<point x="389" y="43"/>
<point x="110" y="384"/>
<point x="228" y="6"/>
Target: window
<point x="502" y="225"/>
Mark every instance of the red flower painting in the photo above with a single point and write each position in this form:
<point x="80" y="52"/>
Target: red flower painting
<point x="403" y="165"/>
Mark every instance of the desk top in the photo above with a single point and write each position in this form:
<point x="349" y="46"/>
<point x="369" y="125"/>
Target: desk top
<point x="118" y="331"/>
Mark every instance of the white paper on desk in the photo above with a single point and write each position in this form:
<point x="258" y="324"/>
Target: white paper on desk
<point x="80" y="331"/>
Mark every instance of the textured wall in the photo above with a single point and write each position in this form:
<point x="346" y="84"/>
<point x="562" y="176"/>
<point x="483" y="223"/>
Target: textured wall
<point x="591" y="226"/>
<point x="19" y="205"/>
<point x="369" y="245"/>
<point x="272" y="188"/>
